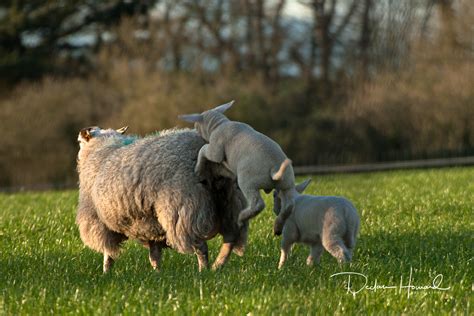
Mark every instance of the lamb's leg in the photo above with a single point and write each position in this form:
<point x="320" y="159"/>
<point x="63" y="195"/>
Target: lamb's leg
<point x="155" y="254"/>
<point x="335" y="246"/>
<point x="223" y="256"/>
<point x="202" y="255"/>
<point x="207" y="152"/>
<point x="290" y="236"/>
<point x="285" y="250"/>
<point x="201" y="160"/>
<point x="255" y="204"/>
<point x="288" y="204"/>
<point x="108" y="262"/>
<point x="315" y="254"/>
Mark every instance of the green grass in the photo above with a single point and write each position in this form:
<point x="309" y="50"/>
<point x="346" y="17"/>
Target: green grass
<point x="411" y="220"/>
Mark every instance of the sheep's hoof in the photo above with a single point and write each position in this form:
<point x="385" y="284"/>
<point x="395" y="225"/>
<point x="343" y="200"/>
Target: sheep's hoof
<point x="155" y="267"/>
<point x="239" y="251"/>
<point x="216" y="266"/>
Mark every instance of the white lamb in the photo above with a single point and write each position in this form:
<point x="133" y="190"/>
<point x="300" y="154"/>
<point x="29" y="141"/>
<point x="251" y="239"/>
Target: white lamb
<point x="322" y="222"/>
<point x="253" y="158"/>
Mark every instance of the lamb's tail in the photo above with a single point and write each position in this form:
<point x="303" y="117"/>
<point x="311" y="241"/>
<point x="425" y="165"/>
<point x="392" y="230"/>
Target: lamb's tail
<point x="277" y="175"/>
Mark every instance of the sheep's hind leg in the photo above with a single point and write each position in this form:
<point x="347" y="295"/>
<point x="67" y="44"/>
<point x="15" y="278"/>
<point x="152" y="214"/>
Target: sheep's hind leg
<point x="223" y="256"/>
<point x="337" y="249"/>
<point x="202" y="254"/>
<point x="255" y="204"/>
<point x="315" y="254"/>
<point x="155" y="254"/>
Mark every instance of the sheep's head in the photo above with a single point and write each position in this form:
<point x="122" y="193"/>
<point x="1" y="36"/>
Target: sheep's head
<point x="277" y="198"/>
<point x="86" y="134"/>
<point x="207" y="121"/>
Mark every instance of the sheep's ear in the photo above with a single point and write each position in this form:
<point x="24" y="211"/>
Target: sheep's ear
<point x="191" y="118"/>
<point x="122" y="130"/>
<point x="86" y="134"/>
<point x="302" y="186"/>
<point x="224" y="107"/>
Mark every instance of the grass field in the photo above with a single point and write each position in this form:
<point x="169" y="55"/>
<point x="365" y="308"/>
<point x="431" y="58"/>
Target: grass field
<point x="419" y="221"/>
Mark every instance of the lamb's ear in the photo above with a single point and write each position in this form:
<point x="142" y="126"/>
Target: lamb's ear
<point x="302" y="186"/>
<point x="122" y="130"/>
<point x="224" y="107"/>
<point x="191" y="118"/>
<point x="86" y="134"/>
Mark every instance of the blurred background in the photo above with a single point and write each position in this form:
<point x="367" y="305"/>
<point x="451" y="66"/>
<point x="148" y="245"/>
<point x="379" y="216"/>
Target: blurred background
<point x="333" y="81"/>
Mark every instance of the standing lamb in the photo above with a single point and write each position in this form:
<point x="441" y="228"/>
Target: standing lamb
<point x="323" y="222"/>
<point x="257" y="161"/>
<point x="146" y="189"/>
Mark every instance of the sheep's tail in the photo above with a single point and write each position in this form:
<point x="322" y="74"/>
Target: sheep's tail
<point x="277" y="175"/>
<point x="353" y="224"/>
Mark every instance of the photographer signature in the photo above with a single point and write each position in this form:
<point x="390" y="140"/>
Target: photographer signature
<point x="408" y="287"/>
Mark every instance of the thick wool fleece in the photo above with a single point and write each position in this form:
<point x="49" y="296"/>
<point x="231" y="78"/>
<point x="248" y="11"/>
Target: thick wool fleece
<point x="146" y="189"/>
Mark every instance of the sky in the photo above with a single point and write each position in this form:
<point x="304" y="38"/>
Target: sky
<point x="294" y="8"/>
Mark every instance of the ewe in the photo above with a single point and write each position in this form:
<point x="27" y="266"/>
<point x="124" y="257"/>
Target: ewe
<point x="146" y="189"/>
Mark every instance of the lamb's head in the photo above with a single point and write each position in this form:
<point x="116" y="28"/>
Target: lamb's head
<point x="88" y="133"/>
<point x="277" y="199"/>
<point x="207" y="121"/>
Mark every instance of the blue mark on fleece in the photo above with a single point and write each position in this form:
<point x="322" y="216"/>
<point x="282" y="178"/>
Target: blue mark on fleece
<point x="129" y="140"/>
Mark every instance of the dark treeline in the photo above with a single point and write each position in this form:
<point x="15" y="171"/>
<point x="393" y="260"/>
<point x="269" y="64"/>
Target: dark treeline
<point x="332" y="81"/>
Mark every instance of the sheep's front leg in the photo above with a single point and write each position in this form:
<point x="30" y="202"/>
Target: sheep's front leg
<point x="108" y="263"/>
<point x="202" y="254"/>
<point x="207" y="152"/>
<point x="224" y="255"/>
<point x="285" y="250"/>
<point x="155" y="253"/>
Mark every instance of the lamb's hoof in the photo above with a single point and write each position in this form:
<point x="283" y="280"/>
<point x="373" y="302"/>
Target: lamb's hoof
<point x="199" y="172"/>
<point x="241" y="220"/>
<point x="277" y="229"/>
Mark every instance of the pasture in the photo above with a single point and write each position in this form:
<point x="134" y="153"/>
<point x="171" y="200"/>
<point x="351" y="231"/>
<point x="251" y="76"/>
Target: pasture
<point x="417" y="222"/>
